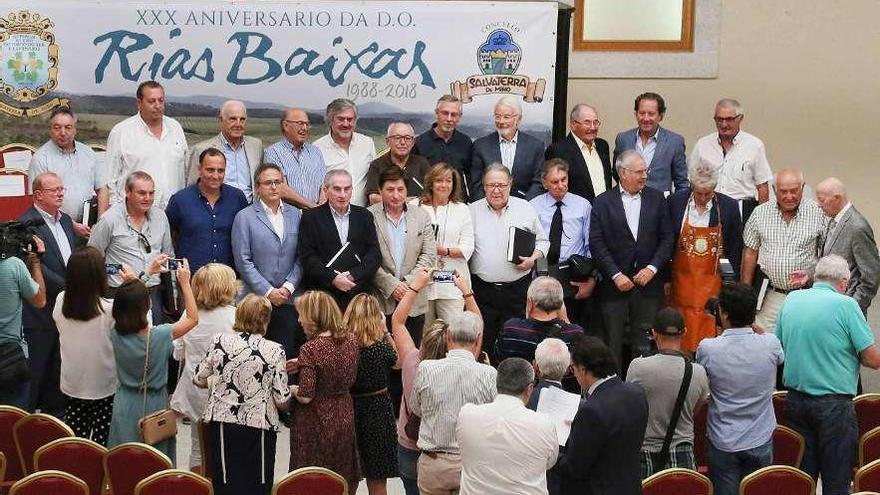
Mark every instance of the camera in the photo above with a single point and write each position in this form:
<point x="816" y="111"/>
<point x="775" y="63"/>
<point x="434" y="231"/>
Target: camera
<point x="16" y="238"/>
<point x="712" y="308"/>
<point x="442" y="276"/>
<point x="113" y="268"/>
<point x="172" y="263"/>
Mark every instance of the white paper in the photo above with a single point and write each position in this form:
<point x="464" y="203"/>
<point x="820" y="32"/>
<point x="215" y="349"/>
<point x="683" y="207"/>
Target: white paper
<point x="17" y="159"/>
<point x="561" y="406"/>
<point x="12" y="185"/>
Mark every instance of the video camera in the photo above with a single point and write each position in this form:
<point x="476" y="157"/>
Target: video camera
<point x="16" y="238"/>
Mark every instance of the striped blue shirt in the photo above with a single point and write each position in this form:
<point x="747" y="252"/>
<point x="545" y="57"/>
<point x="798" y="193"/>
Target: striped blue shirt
<point x="304" y="170"/>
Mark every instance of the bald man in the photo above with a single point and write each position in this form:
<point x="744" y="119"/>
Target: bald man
<point x="243" y="153"/>
<point x="851" y="237"/>
<point x="301" y="162"/>
<point x="787" y="236"/>
<point x="400" y="138"/>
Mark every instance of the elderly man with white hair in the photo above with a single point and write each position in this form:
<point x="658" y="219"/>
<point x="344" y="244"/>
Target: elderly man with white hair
<point x="521" y="153"/>
<point x="400" y="138"/>
<point x="707" y="228"/>
<point x="825" y="338"/>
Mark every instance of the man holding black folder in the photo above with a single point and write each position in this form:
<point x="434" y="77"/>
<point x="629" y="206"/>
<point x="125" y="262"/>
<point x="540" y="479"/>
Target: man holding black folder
<point x="506" y="228"/>
<point x="338" y="245"/>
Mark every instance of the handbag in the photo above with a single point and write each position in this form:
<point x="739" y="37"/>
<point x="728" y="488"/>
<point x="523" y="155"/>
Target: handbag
<point x="160" y="425"/>
<point x="14" y="367"/>
<point x="661" y="459"/>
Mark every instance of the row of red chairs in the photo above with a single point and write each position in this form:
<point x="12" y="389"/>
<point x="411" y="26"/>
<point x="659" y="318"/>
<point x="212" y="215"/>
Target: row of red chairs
<point x="771" y="480"/>
<point x="163" y="482"/>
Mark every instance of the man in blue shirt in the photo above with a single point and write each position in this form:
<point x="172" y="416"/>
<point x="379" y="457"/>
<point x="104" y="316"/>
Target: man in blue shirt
<point x="825" y="337"/>
<point x="201" y="215"/>
<point x="741" y="365"/>
<point x="302" y="163"/>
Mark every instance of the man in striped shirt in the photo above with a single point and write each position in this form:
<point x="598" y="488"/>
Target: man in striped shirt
<point x="302" y="163"/>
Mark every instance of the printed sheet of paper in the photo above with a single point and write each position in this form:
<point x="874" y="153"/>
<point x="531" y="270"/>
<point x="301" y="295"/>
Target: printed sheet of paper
<point x="17" y="159"/>
<point x="561" y="406"/>
<point x="12" y="186"/>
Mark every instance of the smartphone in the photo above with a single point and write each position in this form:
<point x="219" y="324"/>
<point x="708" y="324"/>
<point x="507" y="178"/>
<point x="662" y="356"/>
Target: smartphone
<point x="171" y="263"/>
<point x="442" y="276"/>
<point x="113" y="268"/>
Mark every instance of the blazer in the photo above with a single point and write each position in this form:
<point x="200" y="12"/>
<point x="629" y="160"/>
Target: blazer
<point x="319" y="242"/>
<point x="579" y="180"/>
<point x="262" y="259"/>
<point x="615" y="250"/>
<point x="853" y="239"/>
<point x="731" y="223"/>
<point x="528" y="163"/>
<point x="421" y="252"/>
<point x="669" y="165"/>
<point x="253" y="148"/>
<point x="604" y="447"/>
<point x="53" y="267"/>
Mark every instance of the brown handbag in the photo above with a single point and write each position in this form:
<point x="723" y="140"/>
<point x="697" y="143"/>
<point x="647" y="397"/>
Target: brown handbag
<point x="160" y="425"/>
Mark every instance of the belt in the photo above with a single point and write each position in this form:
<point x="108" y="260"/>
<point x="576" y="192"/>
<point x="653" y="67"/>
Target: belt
<point x="433" y="453"/>
<point x="371" y="394"/>
<point x="781" y="291"/>
<point x="501" y="285"/>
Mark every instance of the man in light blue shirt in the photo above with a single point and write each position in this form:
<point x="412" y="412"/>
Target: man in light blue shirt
<point x="302" y="163"/>
<point x="741" y="365"/>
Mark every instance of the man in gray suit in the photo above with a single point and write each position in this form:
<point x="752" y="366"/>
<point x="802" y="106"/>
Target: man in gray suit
<point x="850" y="236"/>
<point x="662" y="149"/>
<point x="243" y="153"/>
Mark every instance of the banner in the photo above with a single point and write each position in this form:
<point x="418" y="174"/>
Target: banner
<point x="394" y="59"/>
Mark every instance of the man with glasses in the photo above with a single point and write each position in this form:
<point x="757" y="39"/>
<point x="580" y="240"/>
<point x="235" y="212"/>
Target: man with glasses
<point x="264" y="245"/>
<point x="134" y="233"/>
<point x="302" y="163"/>
<point x="344" y="148"/>
<point x="631" y="241"/>
<point x="589" y="172"/>
<point x="443" y="142"/>
<point x="400" y="138"/>
<point x="740" y="158"/>
<point x="520" y="153"/>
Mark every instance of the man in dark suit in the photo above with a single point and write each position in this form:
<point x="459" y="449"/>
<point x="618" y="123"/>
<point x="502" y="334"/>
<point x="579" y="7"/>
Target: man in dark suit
<point x="602" y="453"/>
<point x="325" y="229"/>
<point x="850" y="236"/>
<point x="662" y="149"/>
<point x="39" y="327"/>
<point x="630" y="240"/>
<point x="521" y="153"/>
<point x="589" y="163"/>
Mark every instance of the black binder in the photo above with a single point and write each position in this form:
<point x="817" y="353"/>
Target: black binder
<point x="90" y="212"/>
<point x="344" y="260"/>
<point x="520" y="242"/>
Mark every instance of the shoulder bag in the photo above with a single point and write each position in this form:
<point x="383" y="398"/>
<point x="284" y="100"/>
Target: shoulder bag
<point x="661" y="459"/>
<point x="160" y="425"/>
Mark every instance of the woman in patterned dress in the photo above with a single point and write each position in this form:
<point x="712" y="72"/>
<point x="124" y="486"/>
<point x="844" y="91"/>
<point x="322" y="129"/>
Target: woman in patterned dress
<point x="323" y="431"/>
<point x="374" y="412"/>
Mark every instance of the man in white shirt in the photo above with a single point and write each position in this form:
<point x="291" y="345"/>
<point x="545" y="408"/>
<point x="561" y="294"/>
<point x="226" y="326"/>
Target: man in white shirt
<point x="506" y="448"/>
<point x="148" y="142"/>
<point x="344" y="148"/>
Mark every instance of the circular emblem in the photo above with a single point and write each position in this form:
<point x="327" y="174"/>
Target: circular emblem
<point x="701" y="245"/>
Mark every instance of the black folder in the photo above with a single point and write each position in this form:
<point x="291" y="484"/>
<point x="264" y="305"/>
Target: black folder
<point x="520" y="242"/>
<point x="90" y="212"/>
<point x="344" y="260"/>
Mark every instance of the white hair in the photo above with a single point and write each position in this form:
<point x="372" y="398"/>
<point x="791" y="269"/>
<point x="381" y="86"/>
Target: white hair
<point x="465" y="328"/>
<point x="511" y="102"/>
<point x="626" y="159"/>
<point x="703" y="174"/>
<point x="831" y="269"/>
<point x="730" y="103"/>
<point x="552" y="358"/>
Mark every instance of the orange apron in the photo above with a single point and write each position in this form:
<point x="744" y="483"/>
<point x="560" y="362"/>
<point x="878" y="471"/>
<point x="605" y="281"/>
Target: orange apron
<point x="695" y="278"/>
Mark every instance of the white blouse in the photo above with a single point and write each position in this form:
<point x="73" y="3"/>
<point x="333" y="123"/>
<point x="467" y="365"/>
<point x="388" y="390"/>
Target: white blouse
<point x="453" y="229"/>
<point x="88" y="364"/>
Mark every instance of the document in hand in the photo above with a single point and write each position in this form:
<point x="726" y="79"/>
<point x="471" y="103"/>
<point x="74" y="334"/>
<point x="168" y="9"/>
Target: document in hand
<point x="561" y="406"/>
<point x="520" y="242"/>
<point x="344" y="260"/>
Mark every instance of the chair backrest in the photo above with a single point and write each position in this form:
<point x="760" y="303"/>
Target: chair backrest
<point x="869" y="446"/>
<point x="868" y="477"/>
<point x="206" y="448"/>
<point x="788" y="447"/>
<point x="127" y="464"/>
<point x="2" y="468"/>
<point x="701" y="442"/>
<point x="174" y="481"/>
<point x="49" y="482"/>
<point x="777" y="480"/>
<point x="779" y="400"/>
<point x="9" y="415"/>
<point x="677" y="481"/>
<point x="867" y="408"/>
<point x="80" y="457"/>
<point x="32" y="432"/>
<point x="311" y="480"/>
<point x="866" y="493"/>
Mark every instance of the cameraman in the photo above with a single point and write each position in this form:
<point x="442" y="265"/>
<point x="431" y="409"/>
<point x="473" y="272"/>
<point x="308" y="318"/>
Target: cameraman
<point x="18" y="280"/>
<point x="741" y="365"/>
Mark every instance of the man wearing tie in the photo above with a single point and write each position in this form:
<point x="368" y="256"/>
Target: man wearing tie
<point x="587" y="155"/>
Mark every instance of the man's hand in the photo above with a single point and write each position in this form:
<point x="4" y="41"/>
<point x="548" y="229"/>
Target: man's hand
<point x="82" y="230"/>
<point x="643" y="277"/>
<point x="798" y="279"/>
<point x="399" y="291"/>
<point x="343" y="282"/>
<point x="278" y="296"/>
<point x="623" y="283"/>
<point x="526" y="263"/>
<point x="584" y="289"/>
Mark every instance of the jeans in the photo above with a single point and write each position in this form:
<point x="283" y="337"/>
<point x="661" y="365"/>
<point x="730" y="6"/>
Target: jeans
<point x="828" y="424"/>
<point x="727" y="469"/>
<point x="407" y="465"/>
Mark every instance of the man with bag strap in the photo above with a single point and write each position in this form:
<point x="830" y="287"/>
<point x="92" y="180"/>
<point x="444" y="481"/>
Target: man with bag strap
<point x="674" y="387"/>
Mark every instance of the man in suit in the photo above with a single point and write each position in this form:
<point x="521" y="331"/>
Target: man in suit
<point x="264" y="245"/>
<point x="326" y="229"/>
<point x="243" y="153"/>
<point x="850" y="236"/>
<point x="602" y="453"/>
<point x="39" y="328"/>
<point x="630" y="240"/>
<point x="522" y="154"/>
<point x="589" y="172"/>
<point x="662" y="149"/>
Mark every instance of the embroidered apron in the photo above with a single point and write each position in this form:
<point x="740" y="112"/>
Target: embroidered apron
<point x="695" y="278"/>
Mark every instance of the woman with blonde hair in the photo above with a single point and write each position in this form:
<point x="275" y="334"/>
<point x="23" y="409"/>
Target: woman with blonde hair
<point x="214" y="287"/>
<point x="374" y="412"/>
<point x="248" y="386"/>
<point x="323" y="431"/>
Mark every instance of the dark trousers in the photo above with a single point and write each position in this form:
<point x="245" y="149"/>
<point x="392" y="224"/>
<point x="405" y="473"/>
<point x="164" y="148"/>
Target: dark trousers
<point x="828" y="424"/>
<point x="586" y="313"/>
<point x="44" y="356"/>
<point x="499" y="302"/>
<point x="627" y="319"/>
<point x="284" y="328"/>
<point x="243" y="460"/>
<point x="415" y="325"/>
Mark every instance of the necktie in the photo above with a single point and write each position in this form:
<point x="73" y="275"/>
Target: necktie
<point x="555" y="235"/>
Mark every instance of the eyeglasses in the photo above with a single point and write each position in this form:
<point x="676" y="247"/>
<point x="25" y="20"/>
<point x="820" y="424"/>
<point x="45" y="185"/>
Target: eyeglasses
<point x="145" y="243"/>
<point x="497" y="185"/>
<point x="588" y="123"/>
<point x="641" y="171"/>
<point x="728" y="120"/>
<point x="405" y="139"/>
<point x="272" y="183"/>
<point x="53" y="190"/>
<point x="301" y="123"/>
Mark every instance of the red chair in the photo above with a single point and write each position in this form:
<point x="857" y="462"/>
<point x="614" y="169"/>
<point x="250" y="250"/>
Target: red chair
<point x="867" y="408"/>
<point x="866" y="493"/>
<point x="780" y="397"/>
<point x="10" y="415"/>
<point x="869" y="447"/>
<point x="677" y="481"/>
<point x="701" y="439"/>
<point x="311" y="480"/>
<point x="13" y="206"/>
<point x="868" y="477"/>
<point x="777" y="480"/>
<point x="127" y="464"/>
<point x="50" y="482"/>
<point x="788" y="447"/>
<point x="2" y="468"/>
<point x="77" y="456"/>
<point x="32" y="432"/>
<point x="174" y="481"/>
